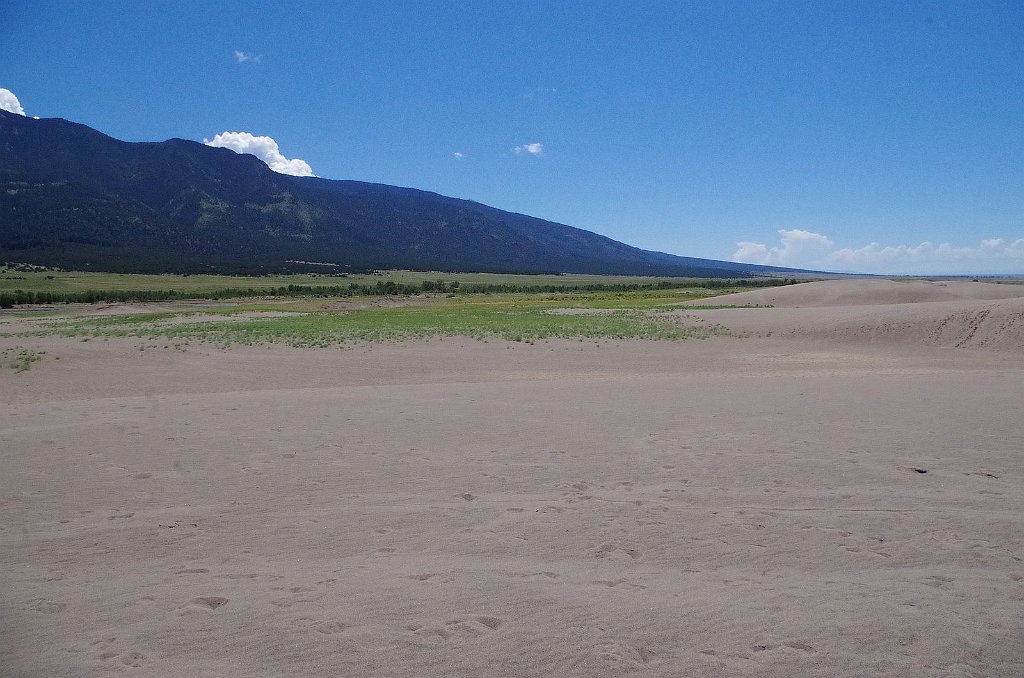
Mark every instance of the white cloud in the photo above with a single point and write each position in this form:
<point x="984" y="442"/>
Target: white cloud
<point x="9" y="102"/>
<point x="794" y="246"/>
<point x="534" y="149"/>
<point x="804" y="249"/>
<point x="931" y="257"/>
<point x="264" y="148"/>
<point x="458" y="155"/>
<point x="246" y="57"/>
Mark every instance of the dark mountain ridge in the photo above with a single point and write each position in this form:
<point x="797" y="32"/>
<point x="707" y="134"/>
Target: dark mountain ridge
<point x="76" y="198"/>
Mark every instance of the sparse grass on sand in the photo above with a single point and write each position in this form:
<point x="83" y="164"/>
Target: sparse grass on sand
<point x="20" y="359"/>
<point x="309" y="323"/>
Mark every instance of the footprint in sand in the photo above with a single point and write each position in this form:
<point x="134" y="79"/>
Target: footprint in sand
<point x="331" y="627"/>
<point x="47" y="606"/>
<point x="794" y="645"/>
<point x="109" y="653"/>
<point x="612" y="551"/>
<point x="133" y="659"/>
<point x="610" y="583"/>
<point x="459" y="629"/>
<point x="803" y="647"/>
<point x="629" y="657"/>
<point x="423" y="577"/>
<point x="204" y="603"/>
<point x="939" y="581"/>
<point x="533" y="575"/>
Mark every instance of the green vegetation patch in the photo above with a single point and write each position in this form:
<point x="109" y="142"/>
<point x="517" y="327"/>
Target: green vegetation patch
<point x="514" y="317"/>
<point x="20" y="359"/>
<point x="19" y="288"/>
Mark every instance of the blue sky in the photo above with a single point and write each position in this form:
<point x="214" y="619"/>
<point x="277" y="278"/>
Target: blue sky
<point x="866" y="136"/>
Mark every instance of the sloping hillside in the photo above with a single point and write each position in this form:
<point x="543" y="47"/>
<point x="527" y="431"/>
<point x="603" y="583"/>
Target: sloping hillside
<point x="76" y="198"/>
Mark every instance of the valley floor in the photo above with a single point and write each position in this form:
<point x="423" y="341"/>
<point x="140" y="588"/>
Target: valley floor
<point x="823" y="501"/>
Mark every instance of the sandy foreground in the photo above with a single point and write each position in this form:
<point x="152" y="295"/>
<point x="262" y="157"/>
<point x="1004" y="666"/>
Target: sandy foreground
<point x="841" y="493"/>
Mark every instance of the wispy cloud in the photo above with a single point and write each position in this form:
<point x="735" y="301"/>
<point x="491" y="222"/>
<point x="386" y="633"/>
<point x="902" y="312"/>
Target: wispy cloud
<point x="246" y="57"/>
<point x="9" y="102"/>
<point x="458" y="155"/>
<point x="535" y="149"/>
<point x="805" y="249"/>
<point x="264" y="148"/>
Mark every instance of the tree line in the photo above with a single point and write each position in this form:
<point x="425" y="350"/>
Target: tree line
<point x="9" y="299"/>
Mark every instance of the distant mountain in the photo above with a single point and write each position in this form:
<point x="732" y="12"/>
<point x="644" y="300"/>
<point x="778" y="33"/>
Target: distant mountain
<point x="73" y="197"/>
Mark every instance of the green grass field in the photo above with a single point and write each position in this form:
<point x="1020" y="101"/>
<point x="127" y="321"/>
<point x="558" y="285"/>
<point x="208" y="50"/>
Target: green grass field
<point x="308" y="322"/>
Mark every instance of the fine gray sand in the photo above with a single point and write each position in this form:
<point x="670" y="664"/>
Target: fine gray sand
<point x="839" y="493"/>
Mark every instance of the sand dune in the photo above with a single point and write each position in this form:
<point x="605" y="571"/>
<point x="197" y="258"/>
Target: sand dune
<point x="810" y="503"/>
<point x="911" y="314"/>
<point x="830" y="293"/>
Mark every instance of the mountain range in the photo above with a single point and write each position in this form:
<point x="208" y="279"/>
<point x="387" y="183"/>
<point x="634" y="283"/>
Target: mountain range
<point x="75" y="198"/>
